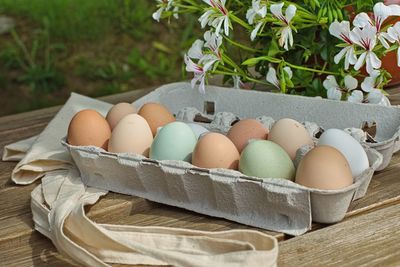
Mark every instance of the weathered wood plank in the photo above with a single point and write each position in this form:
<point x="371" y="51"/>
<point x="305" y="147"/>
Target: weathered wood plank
<point x="371" y="239"/>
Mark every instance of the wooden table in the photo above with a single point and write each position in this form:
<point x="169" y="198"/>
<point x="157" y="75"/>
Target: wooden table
<point x="369" y="235"/>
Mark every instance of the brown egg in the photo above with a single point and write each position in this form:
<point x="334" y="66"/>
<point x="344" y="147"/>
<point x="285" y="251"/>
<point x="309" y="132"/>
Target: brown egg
<point x="290" y="135"/>
<point x="117" y="112"/>
<point x="243" y="131"/>
<point x="215" y="150"/>
<point x="88" y="128"/>
<point x="156" y="116"/>
<point x="324" y="167"/>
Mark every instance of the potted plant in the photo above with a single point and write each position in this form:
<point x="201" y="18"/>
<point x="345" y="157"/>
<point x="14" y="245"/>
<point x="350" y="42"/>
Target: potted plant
<point x="324" y="48"/>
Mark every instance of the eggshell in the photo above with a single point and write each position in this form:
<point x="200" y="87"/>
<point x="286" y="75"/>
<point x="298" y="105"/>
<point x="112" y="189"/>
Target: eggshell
<point x="198" y="129"/>
<point x="174" y="141"/>
<point x="265" y="159"/>
<point x="132" y="134"/>
<point x="215" y="150"/>
<point x="349" y="147"/>
<point x="88" y="128"/>
<point x="290" y="135"/>
<point x="243" y="131"/>
<point x="117" y="112"/>
<point x="324" y="167"/>
<point x="156" y="116"/>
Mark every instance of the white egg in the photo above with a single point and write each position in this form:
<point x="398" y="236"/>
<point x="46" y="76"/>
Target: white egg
<point x="349" y="147"/>
<point x="198" y="129"/>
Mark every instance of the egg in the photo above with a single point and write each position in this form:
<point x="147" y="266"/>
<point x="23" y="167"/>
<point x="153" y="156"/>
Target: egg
<point x="265" y="159"/>
<point x="243" y="131"/>
<point x="174" y="141"/>
<point x="156" y="115"/>
<point x="215" y="150"/>
<point x="131" y="135"/>
<point x="349" y="147"/>
<point x="88" y="128"/>
<point x="290" y="135"/>
<point x="324" y="167"/>
<point x="117" y="112"/>
<point x="198" y="129"/>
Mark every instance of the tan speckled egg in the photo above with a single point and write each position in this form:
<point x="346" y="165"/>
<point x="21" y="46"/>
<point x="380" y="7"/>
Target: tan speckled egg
<point x="131" y="135"/>
<point x="290" y="135"/>
<point x="215" y="150"/>
<point x="88" y="128"/>
<point x="117" y="112"/>
<point x="245" y="130"/>
<point x="156" y="116"/>
<point x="324" y="167"/>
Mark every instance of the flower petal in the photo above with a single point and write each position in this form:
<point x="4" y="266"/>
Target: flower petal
<point x="368" y="84"/>
<point x="340" y="29"/>
<point x="289" y="71"/>
<point x="350" y="82"/>
<point x="375" y="96"/>
<point x="276" y="10"/>
<point x="290" y="12"/>
<point x="330" y="82"/>
<point x="398" y="57"/>
<point x="255" y="31"/>
<point x="373" y="62"/>
<point x="340" y="55"/>
<point x="271" y="77"/>
<point x="334" y="94"/>
<point x="196" y="50"/>
<point x="204" y="19"/>
<point x="360" y="61"/>
<point x="362" y="20"/>
<point x="356" y="96"/>
<point x="157" y="15"/>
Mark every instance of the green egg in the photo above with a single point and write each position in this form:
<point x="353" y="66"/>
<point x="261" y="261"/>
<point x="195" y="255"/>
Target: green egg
<point x="174" y="141"/>
<point x="265" y="159"/>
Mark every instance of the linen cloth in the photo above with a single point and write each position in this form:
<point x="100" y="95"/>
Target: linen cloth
<point x="58" y="212"/>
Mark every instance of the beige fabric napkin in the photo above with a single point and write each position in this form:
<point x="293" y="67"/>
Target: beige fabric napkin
<point x="58" y="213"/>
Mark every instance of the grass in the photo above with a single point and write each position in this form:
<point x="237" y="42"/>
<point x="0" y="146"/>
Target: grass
<point x="94" y="47"/>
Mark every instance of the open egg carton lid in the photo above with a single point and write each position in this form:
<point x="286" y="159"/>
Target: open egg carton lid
<point x="380" y="122"/>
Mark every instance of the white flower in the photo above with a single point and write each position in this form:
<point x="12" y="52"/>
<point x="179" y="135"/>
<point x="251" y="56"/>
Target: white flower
<point x="371" y="83"/>
<point x="366" y="39"/>
<point x="334" y="91"/>
<point x="256" y="11"/>
<point x="217" y="17"/>
<point x="393" y="35"/>
<point x="199" y="72"/>
<point x="381" y="13"/>
<point x="285" y="32"/>
<point x="341" y="30"/>
<point x="165" y="5"/>
<point x="273" y="79"/>
<point x="213" y="42"/>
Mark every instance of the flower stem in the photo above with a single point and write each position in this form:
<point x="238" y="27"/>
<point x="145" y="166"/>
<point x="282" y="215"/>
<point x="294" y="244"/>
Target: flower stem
<point x="244" y="47"/>
<point x="239" y="21"/>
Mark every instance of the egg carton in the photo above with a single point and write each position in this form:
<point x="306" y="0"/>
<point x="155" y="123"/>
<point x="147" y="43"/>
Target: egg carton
<point x="269" y="203"/>
<point x="219" y="103"/>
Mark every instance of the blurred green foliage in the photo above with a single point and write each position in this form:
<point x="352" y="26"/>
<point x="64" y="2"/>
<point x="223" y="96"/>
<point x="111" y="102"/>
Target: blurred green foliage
<point x="94" y="47"/>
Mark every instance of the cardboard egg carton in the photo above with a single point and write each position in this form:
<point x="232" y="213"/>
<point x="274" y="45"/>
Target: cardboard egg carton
<point x="268" y="203"/>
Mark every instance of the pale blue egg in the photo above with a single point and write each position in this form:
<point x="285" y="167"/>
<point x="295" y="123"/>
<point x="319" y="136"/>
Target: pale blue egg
<point x="174" y="141"/>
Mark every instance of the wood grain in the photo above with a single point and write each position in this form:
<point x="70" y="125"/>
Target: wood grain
<point x="20" y="245"/>
<point x="368" y="240"/>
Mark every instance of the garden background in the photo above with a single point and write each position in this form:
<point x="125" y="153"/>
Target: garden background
<point x="93" y="47"/>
